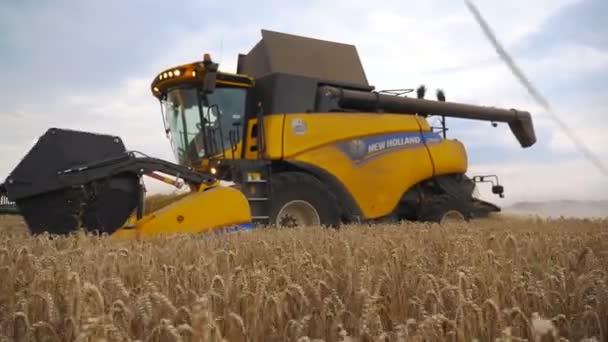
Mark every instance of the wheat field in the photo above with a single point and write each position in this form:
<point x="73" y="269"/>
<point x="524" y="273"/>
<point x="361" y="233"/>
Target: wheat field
<point x="500" y="279"/>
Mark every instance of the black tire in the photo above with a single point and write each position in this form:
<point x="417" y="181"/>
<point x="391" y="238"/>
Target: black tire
<point x="287" y="187"/>
<point x="441" y="206"/>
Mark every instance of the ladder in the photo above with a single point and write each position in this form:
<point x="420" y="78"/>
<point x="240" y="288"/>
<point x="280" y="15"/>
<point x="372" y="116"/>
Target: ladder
<point x="256" y="187"/>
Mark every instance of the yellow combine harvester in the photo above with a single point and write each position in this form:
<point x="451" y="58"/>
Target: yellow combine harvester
<point x="297" y="130"/>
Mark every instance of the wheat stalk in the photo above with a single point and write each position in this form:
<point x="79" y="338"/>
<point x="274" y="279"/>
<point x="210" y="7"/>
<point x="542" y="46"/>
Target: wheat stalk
<point x="491" y="281"/>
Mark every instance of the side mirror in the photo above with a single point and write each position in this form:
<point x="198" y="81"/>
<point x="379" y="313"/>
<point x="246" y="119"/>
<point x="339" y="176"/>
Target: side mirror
<point x="498" y="190"/>
<point x="210" y="74"/>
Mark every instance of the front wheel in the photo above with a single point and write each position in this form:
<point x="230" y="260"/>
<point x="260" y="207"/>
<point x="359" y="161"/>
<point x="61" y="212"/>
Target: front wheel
<point x="299" y="199"/>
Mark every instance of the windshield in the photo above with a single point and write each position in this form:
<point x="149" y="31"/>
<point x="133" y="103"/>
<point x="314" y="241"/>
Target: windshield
<point x="212" y="128"/>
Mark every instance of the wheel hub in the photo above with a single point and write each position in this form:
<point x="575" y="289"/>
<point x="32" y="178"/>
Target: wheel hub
<point x="452" y="216"/>
<point x="298" y="213"/>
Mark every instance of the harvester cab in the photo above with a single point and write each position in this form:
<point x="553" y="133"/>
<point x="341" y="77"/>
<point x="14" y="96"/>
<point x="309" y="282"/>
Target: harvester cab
<point x="203" y="111"/>
<point x="298" y="130"/>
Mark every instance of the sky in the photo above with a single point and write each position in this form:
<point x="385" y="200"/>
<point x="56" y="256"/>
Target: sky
<point x="88" y="65"/>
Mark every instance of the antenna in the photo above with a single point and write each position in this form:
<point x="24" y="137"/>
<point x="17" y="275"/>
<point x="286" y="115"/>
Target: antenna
<point x="532" y="90"/>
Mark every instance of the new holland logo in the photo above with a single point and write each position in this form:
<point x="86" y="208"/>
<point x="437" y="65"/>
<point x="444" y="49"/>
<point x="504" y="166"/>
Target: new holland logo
<point x="357" y="148"/>
<point x="364" y="149"/>
<point x="393" y="142"/>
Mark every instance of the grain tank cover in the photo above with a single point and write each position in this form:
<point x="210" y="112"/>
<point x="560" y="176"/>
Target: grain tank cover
<point x="281" y="53"/>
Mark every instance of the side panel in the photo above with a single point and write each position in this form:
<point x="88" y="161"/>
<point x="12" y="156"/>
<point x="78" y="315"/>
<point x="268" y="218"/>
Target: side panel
<point x="449" y="157"/>
<point x="377" y="156"/>
<point x="201" y="212"/>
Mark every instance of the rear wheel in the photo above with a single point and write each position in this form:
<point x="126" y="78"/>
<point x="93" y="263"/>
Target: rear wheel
<point x="299" y="199"/>
<point x="452" y="216"/>
<point x="445" y="209"/>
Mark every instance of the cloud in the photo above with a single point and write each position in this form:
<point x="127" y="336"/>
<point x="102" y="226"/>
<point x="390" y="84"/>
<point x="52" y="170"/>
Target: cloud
<point x="128" y="110"/>
<point x="581" y="22"/>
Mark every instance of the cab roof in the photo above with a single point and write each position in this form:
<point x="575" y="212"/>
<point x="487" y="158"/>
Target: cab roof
<point x="192" y="74"/>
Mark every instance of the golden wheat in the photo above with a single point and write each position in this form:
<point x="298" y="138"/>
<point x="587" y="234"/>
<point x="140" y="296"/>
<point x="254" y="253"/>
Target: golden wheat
<point x="493" y="280"/>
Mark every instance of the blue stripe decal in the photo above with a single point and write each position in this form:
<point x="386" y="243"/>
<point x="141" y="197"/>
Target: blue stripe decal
<point x="364" y="149"/>
<point x="232" y="229"/>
